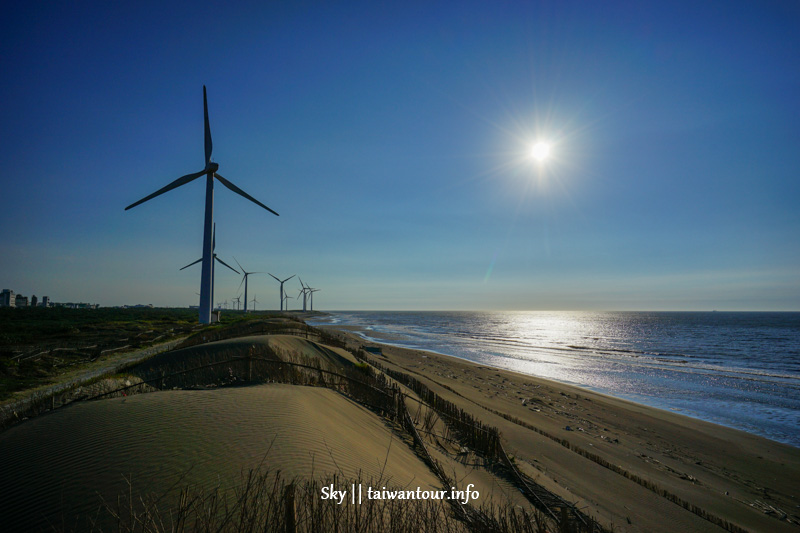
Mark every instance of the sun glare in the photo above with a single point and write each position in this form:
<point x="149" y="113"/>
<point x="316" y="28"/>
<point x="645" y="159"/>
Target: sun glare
<point x="540" y="151"/>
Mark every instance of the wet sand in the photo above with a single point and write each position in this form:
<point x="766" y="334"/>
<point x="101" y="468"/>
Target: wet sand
<point x="631" y="466"/>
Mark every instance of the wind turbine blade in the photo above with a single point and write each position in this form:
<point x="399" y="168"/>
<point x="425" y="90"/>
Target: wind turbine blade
<point x="287" y="279"/>
<point x="214" y="238"/>
<point x="209" y="145"/>
<point x="276" y="279"/>
<point x="190" y="264"/>
<point x="226" y="264"/>
<point x="239" y="191"/>
<point x="242" y="282"/>
<point x="238" y="263"/>
<point x="183" y="180"/>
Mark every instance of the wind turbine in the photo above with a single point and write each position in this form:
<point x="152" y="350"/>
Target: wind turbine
<point x="311" y="292"/>
<point x="254" y="301"/>
<point x="214" y="255"/>
<point x="244" y="280"/>
<point x="304" y="292"/>
<point x="238" y="301"/>
<point x="282" y="282"/>
<point x="285" y="297"/>
<point x="210" y="172"/>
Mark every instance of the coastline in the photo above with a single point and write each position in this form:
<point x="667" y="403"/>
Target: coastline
<point x="628" y="466"/>
<point x="681" y="362"/>
<point x="626" y="463"/>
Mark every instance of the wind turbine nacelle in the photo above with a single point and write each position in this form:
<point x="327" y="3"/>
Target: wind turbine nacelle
<point x="212" y="167"/>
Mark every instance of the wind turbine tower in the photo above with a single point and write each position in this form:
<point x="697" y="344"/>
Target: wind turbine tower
<point x="304" y="292"/>
<point x="311" y="292"/>
<point x="216" y="258"/>
<point x="285" y="297"/>
<point x="244" y="280"/>
<point x="210" y="172"/>
<point x="283" y="294"/>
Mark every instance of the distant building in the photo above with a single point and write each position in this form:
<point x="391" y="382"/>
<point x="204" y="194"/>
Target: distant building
<point x="7" y="298"/>
<point x="45" y="301"/>
<point x="34" y="300"/>
<point x="21" y="301"/>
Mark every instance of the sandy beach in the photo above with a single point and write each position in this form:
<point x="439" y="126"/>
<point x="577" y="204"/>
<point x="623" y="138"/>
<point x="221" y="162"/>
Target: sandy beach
<point x="563" y="436"/>
<point x="626" y="466"/>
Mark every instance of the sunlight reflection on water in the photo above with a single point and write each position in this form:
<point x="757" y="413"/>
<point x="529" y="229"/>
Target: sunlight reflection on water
<point x="737" y="369"/>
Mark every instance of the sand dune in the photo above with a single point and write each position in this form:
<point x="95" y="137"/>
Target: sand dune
<point x="294" y="346"/>
<point x="285" y="347"/>
<point x="200" y="437"/>
<point x="631" y="467"/>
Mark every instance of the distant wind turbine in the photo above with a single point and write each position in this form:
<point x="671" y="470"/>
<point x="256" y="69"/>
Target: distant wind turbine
<point x="210" y="171"/>
<point x="214" y="255"/>
<point x="311" y="292"/>
<point x="285" y="297"/>
<point x="238" y="301"/>
<point x="304" y="292"/>
<point x="254" y="301"/>
<point x="282" y="282"/>
<point x="244" y="280"/>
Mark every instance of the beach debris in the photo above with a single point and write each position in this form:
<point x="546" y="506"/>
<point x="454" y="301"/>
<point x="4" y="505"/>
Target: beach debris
<point x="770" y="510"/>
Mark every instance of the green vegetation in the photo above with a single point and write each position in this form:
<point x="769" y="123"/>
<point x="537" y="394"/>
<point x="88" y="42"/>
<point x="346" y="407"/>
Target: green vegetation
<point x="38" y="345"/>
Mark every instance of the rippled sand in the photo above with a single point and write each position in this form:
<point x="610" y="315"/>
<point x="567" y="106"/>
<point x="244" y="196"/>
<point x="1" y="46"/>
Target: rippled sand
<point x="62" y="462"/>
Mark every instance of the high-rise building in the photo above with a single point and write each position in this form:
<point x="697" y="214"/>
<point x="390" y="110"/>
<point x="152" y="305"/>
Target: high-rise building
<point x="45" y="301"/>
<point x="7" y="298"/>
<point x="34" y="300"/>
<point x="21" y="301"/>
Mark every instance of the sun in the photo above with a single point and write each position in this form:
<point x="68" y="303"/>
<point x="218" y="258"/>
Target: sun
<point x="540" y="151"/>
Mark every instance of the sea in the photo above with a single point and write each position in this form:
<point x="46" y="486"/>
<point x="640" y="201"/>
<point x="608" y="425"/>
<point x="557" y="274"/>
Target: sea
<point x="737" y="369"/>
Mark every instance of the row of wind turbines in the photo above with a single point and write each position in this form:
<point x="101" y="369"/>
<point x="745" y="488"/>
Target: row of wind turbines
<point x="306" y="291"/>
<point x="209" y="256"/>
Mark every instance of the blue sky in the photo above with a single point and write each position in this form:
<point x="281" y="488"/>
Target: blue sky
<point x="393" y="137"/>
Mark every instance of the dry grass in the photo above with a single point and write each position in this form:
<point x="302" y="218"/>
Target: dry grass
<point x="266" y="502"/>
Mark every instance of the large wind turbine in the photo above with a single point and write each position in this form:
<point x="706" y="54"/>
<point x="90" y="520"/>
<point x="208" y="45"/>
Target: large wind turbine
<point x="210" y="172"/>
<point x="282" y="282"/>
<point x="244" y="280"/>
